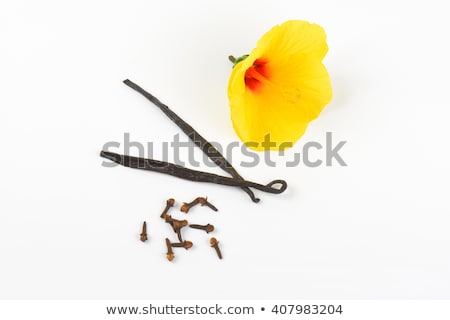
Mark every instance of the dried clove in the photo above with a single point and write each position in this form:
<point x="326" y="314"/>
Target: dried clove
<point x="199" y="200"/>
<point x="208" y="227"/>
<point x="198" y="140"/>
<point x="168" y="219"/>
<point x="185" y="207"/>
<point x="204" y="202"/>
<point x="170" y="256"/>
<point x="185" y="244"/>
<point x="144" y="232"/>
<point x="169" y="203"/>
<point x="215" y="244"/>
<point x="177" y="225"/>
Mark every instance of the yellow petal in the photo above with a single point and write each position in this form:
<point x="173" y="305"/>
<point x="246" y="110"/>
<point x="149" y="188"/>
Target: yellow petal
<point x="293" y="37"/>
<point x="281" y="86"/>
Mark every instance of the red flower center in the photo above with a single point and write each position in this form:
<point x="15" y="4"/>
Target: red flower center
<point x="255" y="75"/>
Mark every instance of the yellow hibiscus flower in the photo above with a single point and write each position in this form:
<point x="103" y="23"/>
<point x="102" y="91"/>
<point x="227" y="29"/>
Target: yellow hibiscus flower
<point x="280" y="86"/>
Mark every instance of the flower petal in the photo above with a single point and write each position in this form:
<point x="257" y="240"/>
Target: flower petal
<point x="293" y="37"/>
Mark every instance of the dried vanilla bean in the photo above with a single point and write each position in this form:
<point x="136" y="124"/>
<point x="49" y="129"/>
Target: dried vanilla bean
<point x="189" y="174"/>
<point x="198" y="140"/>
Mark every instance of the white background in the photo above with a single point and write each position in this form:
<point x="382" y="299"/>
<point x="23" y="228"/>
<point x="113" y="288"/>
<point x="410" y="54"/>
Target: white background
<point x="69" y="228"/>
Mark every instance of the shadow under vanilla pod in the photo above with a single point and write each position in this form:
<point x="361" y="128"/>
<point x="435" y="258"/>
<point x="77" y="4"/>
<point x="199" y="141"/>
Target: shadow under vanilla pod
<point x="189" y="174"/>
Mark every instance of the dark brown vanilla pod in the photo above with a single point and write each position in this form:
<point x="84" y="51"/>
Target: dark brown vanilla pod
<point x="198" y="140"/>
<point x="189" y="174"/>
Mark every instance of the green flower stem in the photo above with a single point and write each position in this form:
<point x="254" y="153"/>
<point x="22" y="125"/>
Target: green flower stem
<point x="236" y="61"/>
